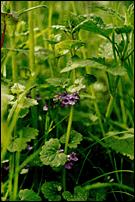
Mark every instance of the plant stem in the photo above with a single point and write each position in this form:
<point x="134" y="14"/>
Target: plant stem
<point x="109" y="107"/>
<point x="16" y="176"/>
<point x="11" y="174"/>
<point x="124" y="116"/>
<point x="32" y="59"/>
<point x="66" y="143"/>
<point x="69" y="129"/>
<point x="14" y="70"/>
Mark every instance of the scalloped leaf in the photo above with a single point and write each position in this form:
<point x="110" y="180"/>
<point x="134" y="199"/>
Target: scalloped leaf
<point x="50" y="154"/>
<point x="29" y="195"/>
<point x="123" y="144"/>
<point x="26" y="135"/>
<point x="18" y="144"/>
<point x="80" y="194"/>
<point x="51" y="190"/>
<point x="74" y="140"/>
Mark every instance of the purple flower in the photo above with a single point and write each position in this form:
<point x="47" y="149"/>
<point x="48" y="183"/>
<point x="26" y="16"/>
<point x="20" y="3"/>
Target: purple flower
<point x="72" y="157"/>
<point x="69" y="165"/>
<point x="6" y="167"/>
<point x="67" y="99"/>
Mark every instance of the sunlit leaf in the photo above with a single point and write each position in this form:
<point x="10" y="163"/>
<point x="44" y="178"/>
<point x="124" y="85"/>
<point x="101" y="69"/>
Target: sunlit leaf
<point x="17" y="88"/>
<point x="18" y="144"/>
<point x="29" y="195"/>
<point x="51" y="155"/>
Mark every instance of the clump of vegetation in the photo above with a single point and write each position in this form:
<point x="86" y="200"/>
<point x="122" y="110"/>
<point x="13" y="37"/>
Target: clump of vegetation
<point x="67" y="100"/>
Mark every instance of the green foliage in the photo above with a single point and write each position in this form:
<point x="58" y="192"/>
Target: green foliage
<point x="77" y="86"/>
<point x="121" y="143"/>
<point x="80" y="194"/>
<point x="75" y="139"/>
<point x="108" y="65"/>
<point x="92" y="44"/>
<point x="51" y="155"/>
<point x="100" y="63"/>
<point x="123" y="29"/>
<point x="29" y="195"/>
<point x="17" y="88"/>
<point x="20" y="143"/>
<point x="65" y="46"/>
<point x="76" y="64"/>
<point x="99" y="195"/>
<point x="94" y="24"/>
<point x="51" y="190"/>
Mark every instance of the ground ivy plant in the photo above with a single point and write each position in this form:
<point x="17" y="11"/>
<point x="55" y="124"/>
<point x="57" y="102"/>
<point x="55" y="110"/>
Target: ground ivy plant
<point x="67" y="101"/>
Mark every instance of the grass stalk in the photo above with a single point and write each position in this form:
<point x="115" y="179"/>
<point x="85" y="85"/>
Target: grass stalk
<point x="32" y="59"/>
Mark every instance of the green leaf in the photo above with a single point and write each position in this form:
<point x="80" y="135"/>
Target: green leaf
<point x="17" y="88"/>
<point x="23" y="112"/>
<point x="26" y="135"/>
<point x="50" y="154"/>
<point x="111" y="11"/>
<point x="59" y="27"/>
<point x="123" y="29"/>
<point x="80" y="194"/>
<point x="77" y="86"/>
<point x="29" y="195"/>
<point x="54" y="39"/>
<point x="57" y="81"/>
<point x="65" y="46"/>
<point x="29" y="102"/>
<point x="76" y="64"/>
<point x="75" y="139"/>
<point x="123" y="144"/>
<point x="18" y="144"/>
<point x="51" y="190"/>
<point x="94" y="24"/>
<point x="108" y="65"/>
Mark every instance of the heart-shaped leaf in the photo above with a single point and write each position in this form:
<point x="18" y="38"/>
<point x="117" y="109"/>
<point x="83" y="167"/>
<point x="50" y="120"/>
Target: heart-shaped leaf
<point x="51" y="155"/>
<point x="51" y="190"/>
<point x="29" y="195"/>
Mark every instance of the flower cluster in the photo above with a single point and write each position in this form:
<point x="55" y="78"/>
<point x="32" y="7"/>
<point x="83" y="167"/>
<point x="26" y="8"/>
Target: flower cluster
<point x="71" y="159"/>
<point x="67" y="99"/>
